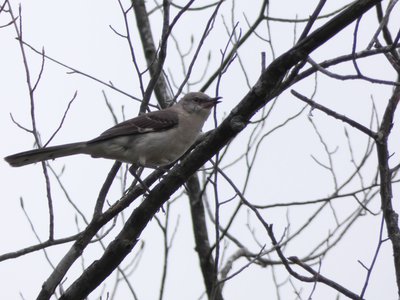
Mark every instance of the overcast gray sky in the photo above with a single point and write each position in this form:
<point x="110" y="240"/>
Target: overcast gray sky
<point x="78" y="34"/>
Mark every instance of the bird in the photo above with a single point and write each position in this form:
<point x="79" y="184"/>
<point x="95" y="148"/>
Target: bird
<point x="151" y="140"/>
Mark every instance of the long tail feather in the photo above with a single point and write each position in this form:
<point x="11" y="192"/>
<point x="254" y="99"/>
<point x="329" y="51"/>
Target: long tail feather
<point x="34" y="156"/>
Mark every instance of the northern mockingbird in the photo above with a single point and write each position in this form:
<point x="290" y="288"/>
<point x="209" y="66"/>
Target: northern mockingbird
<point x="151" y="140"/>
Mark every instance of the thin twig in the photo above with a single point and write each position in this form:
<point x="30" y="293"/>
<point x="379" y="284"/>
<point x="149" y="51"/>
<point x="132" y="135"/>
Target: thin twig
<point x="335" y="115"/>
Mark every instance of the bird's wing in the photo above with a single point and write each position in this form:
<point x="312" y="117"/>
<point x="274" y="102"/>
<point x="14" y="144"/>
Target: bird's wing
<point x="150" y="122"/>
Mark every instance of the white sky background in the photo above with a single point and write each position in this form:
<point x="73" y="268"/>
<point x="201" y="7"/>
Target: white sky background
<point x="78" y="34"/>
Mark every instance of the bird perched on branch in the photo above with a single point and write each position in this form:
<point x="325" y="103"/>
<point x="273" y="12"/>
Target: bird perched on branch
<point x="151" y="140"/>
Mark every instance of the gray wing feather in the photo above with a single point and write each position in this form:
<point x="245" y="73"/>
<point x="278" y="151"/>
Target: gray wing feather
<point x="153" y="121"/>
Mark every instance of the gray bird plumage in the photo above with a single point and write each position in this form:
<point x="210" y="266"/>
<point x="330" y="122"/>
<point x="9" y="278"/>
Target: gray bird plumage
<point x="150" y="140"/>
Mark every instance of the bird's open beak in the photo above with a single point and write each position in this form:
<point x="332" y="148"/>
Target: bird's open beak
<point x="211" y="102"/>
<point x="215" y="100"/>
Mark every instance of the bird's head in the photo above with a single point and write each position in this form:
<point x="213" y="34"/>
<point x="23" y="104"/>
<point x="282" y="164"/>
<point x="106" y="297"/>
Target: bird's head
<point x="198" y="102"/>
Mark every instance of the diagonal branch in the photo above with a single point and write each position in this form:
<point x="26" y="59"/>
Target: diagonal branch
<point x="329" y="112"/>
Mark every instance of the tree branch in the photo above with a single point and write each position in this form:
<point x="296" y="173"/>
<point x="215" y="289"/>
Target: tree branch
<point x="391" y="217"/>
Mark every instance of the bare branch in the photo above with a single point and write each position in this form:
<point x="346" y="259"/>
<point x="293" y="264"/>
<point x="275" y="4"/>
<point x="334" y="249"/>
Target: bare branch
<point x="335" y="115"/>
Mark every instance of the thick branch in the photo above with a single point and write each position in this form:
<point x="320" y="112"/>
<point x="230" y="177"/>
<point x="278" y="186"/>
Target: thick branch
<point x="207" y="263"/>
<point x="149" y="49"/>
<point x="391" y="217"/>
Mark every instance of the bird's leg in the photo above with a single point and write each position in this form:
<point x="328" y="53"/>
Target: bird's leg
<point x="136" y="172"/>
<point x="165" y="169"/>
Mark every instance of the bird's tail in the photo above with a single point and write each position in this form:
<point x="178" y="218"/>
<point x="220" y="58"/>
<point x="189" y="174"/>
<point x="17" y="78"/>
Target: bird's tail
<point x="34" y="156"/>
